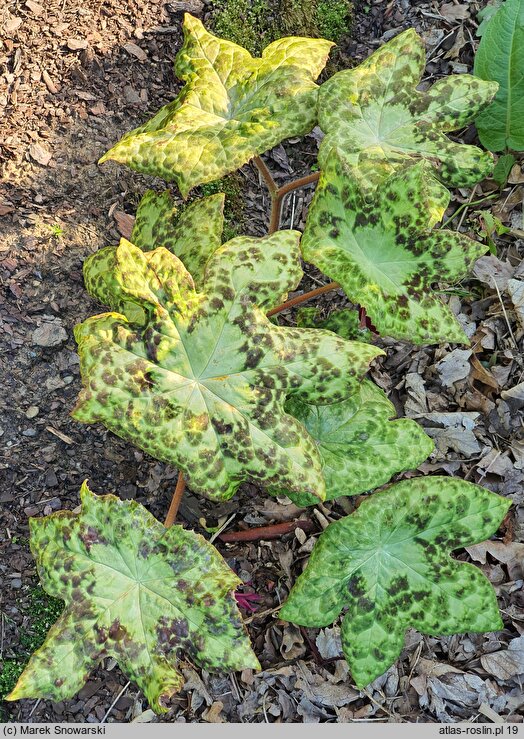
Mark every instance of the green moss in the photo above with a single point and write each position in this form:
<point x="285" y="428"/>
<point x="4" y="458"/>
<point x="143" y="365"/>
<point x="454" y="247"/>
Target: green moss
<point x="245" y="22"/>
<point x="40" y="614"/>
<point x="333" y="18"/>
<point x="254" y="24"/>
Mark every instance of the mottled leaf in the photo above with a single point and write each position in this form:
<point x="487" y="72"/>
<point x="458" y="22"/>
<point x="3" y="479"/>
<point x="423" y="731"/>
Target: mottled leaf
<point x="193" y="238"/>
<point x="360" y="447"/>
<point x="500" y="57"/>
<point x="200" y="379"/>
<point x="383" y="252"/>
<point x="232" y="107"/>
<point x="389" y="564"/>
<point x="377" y="119"/>
<point x="134" y="591"/>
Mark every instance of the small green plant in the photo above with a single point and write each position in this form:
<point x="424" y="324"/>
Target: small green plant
<point x="56" y="231"/>
<point x="191" y="366"/>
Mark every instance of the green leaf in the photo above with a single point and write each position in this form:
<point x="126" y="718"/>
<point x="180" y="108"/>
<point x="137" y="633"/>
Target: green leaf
<point x="383" y="252"/>
<point x="232" y="107"/>
<point x="201" y="382"/>
<point x="344" y="322"/>
<point x="359" y="446"/>
<point x="486" y="14"/>
<point x="193" y="238"/>
<point x="389" y="565"/>
<point x="500" y="57"/>
<point x="136" y="592"/>
<point x="503" y="168"/>
<point x="377" y="119"/>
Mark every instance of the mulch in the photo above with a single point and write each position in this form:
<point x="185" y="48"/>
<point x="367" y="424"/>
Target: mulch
<point x="74" y="76"/>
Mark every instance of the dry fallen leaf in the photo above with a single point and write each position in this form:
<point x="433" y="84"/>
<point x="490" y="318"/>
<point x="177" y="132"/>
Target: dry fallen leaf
<point x="490" y="270"/>
<point x="456" y="434"/>
<point x="505" y="553"/>
<point x="452" y="12"/>
<point x="508" y="664"/>
<point x="454" y="367"/>
<point x="516" y="293"/>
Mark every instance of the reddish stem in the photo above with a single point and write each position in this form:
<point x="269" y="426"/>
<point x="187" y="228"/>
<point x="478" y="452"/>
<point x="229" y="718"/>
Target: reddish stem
<point x="267" y="532"/>
<point x="302" y="298"/>
<point x="175" y="501"/>
<point x="266" y="174"/>
<point x="278" y="193"/>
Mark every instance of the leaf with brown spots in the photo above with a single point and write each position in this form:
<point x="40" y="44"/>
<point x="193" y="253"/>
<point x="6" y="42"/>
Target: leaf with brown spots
<point x="360" y="447"/>
<point x="199" y="379"/>
<point x="389" y="565"/>
<point x="193" y="236"/>
<point x="232" y="107"/>
<point x="136" y="592"/>
<point x="383" y="251"/>
<point x="377" y="120"/>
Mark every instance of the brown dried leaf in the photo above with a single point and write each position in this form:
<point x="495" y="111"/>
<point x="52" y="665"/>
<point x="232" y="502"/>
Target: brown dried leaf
<point x="505" y="553"/>
<point x="507" y="664"/>
<point x="452" y="12"/>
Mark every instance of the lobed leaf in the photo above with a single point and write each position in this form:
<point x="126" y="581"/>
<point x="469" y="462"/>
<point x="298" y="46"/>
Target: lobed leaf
<point x="200" y="379"/>
<point x="377" y="120"/>
<point x="136" y="592"/>
<point x="193" y="238"/>
<point x="389" y="564"/>
<point x="232" y="107"/>
<point x="360" y="447"/>
<point x="383" y="252"/>
<point x="500" y="57"/>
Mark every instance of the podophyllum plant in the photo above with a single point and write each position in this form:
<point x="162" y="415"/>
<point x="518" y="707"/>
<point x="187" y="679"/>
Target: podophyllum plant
<point x="191" y="366"/>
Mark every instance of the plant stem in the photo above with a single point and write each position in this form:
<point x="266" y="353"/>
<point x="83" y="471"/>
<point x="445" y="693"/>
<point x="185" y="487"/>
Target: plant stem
<point x="308" y="179"/>
<point x="464" y="206"/>
<point x="267" y="532"/>
<point x="302" y="298"/>
<point x="175" y="501"/>
<point x="266" y="174"/>
<point x="278" y="193"/>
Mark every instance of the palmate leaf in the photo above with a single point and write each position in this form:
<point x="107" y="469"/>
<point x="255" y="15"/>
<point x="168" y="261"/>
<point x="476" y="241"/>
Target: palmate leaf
<point x="500" y="57"/>
<point x="193" y="238"/>
<point x="232" y="107"/>
<point x="375" y="117"/>
<point x="389" y="565"/>
<point x="383" y="252"/>
<point x="359" y="446"/>
<point x="135" y="591"/>
<point x="200" y="379"/>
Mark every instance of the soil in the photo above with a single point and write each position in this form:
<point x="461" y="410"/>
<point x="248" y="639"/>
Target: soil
<point x="74" y="76"/>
